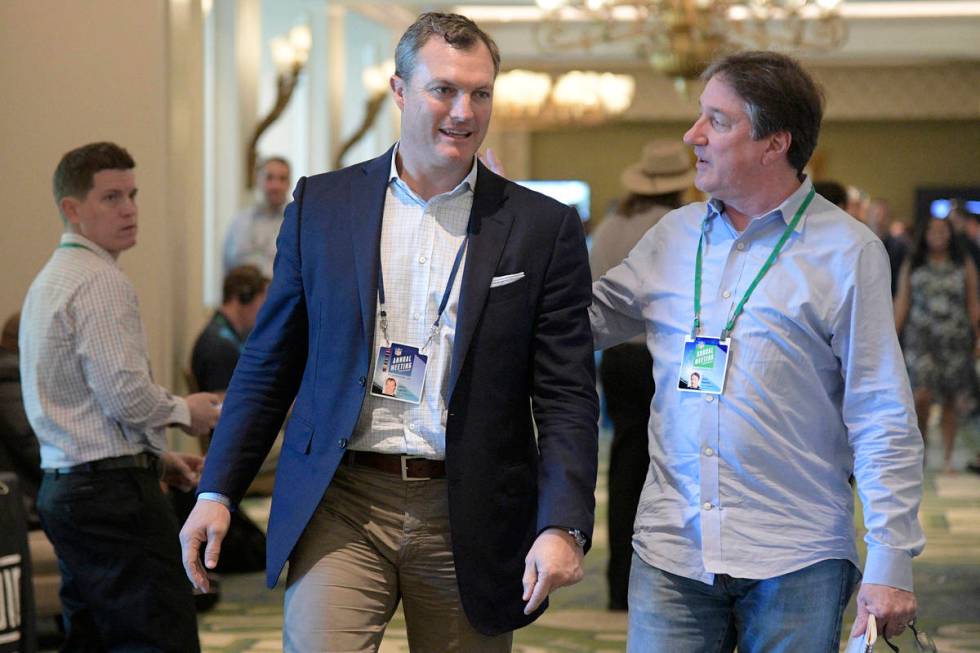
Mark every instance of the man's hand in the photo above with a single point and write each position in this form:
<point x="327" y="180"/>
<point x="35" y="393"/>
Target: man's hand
<point x="893" y="609"/>
<point x="207" y="524"/>
<point x="205" y="409"/>
<point x="555" y="560"/>
<point x="181" y="470"/>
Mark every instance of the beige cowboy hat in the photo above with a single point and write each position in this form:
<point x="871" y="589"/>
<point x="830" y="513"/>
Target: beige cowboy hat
<point x="664" y="167"/>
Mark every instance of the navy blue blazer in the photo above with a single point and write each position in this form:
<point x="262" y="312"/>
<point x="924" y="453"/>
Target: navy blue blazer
<point x="521" y="431"/>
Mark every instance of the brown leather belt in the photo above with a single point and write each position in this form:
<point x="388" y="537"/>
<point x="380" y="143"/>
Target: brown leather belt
<point x="410" y="468"/>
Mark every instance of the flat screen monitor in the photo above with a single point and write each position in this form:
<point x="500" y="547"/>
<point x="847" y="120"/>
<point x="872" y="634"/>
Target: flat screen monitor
<point x="567" y="191"/>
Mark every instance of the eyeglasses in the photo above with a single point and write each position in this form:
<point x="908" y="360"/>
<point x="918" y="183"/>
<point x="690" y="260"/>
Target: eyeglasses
<point x="923" y="643"/>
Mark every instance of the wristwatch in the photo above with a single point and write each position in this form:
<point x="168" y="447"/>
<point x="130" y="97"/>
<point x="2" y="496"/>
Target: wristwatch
<point x="579" y="536"/>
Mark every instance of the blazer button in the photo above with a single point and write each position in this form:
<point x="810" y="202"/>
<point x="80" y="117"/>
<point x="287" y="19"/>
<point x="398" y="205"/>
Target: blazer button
<point x="342" y="443"/>
<point x="362" y="380"/>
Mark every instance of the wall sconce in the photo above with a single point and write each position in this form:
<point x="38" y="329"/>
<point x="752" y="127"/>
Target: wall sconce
<point x="289" y="53"/>
<point x="375" y="80"/>
<point x="577" y="96"/>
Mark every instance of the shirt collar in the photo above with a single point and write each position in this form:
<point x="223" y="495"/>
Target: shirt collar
<point x="467" y="184"/>
<point x="71" y="238"/>
<point x="786" y="210"/>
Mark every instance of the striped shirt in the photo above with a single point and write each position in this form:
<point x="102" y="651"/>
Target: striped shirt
<point x="419" y="241"/>
<point x="88" y="390"/>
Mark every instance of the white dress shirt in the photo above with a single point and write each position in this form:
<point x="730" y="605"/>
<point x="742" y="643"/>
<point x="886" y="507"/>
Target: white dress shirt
<point x="419" y="242"/>
<point x="88" y="390"/>
<point x="754" y="483"/>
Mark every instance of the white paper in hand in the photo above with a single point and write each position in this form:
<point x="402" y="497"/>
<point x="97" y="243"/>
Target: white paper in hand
<point x="865" y="643"/>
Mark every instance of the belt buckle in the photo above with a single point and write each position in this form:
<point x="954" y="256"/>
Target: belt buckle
<point x="405" y="476"/>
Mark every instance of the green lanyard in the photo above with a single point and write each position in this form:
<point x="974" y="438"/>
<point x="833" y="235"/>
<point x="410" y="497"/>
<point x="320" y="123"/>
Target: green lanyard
<point x="75" y="245"/>
<point x="765" y="268"/>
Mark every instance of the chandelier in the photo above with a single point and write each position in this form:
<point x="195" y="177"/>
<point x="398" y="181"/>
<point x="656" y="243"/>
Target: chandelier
<point x="583" y="97"/>
<point x="680" y="37"/>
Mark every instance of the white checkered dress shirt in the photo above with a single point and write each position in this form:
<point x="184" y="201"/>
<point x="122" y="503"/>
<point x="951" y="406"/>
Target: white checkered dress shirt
<point x="88" y="390"/>
<point x="419" y="241"/>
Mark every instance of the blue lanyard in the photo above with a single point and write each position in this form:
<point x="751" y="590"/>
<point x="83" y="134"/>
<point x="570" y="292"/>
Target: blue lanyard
<point x="442" y="304"/>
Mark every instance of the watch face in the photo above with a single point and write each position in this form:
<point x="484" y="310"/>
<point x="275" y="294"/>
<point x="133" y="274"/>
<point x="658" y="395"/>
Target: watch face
<point x="579" y="537"/>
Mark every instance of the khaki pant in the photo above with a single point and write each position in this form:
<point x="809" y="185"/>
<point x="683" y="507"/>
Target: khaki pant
<point x="373" y="540"/>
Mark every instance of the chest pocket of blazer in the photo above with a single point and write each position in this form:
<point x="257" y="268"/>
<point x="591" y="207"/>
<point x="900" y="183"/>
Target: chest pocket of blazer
<point x="508" y="291"/>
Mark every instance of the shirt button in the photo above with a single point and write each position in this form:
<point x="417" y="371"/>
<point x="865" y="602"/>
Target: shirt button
<point x="709" y="398"/>
<point x="708" y="451"/>
<point x="740" y="246"/>
<point x="416" y="316"/>
<point x="422" y="259"/>
<point x="342" y="443"/>
<point x="726" y="294"/>
<point x="707" y="505"/>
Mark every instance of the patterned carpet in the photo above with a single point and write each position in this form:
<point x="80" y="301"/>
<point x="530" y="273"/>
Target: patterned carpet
<point x="947" y="576"/>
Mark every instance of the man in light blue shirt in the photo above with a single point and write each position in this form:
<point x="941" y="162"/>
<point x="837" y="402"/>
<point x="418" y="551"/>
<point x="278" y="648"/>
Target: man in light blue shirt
<point x="251" y="236"/>
<point x="782" y="304"/>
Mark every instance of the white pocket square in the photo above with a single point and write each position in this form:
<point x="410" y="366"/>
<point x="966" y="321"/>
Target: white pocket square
<point x="496" y="282"/>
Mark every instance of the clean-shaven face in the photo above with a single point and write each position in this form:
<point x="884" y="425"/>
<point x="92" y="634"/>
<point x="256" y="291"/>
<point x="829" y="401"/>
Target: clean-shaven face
<point x="107" y="215"/>
<point x="729" y="161"/>
<point x="446" y="105"/>
<point x="274" y="180"/>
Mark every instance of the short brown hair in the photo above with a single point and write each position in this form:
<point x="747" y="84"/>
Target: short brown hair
<point x="260" y="166"/>
<point x="243" y="283"/>
<point x="74" y="176"/>
<point x="779" y="95"/>
<point x="458" y="31"/>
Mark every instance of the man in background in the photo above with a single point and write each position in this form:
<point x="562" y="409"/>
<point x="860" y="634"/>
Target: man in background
<point x="879" y="219"/>
<point x="219" y="345"/>
<point x="833" y="192"/>
<point x="966" y="230"/>
<point x="251" y="236"/>
<point x="654" y="186"/>
<point x="100" y="418"/>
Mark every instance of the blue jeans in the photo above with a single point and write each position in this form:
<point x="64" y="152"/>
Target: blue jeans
<point x="799" y="612"/>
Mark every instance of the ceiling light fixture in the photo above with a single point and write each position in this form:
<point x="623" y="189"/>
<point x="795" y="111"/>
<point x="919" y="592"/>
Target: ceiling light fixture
<point x="680" y="37"/>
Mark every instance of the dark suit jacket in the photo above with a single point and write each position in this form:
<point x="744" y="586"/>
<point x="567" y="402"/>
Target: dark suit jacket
<point x="520" y="349"/>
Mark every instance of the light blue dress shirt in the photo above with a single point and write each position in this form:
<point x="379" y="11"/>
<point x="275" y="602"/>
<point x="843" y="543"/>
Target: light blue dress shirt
<point x="754" y="483"/>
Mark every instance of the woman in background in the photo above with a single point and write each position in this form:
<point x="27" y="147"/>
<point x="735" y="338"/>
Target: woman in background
<point x="937" y="313"/>
<point x="654" y="187"/>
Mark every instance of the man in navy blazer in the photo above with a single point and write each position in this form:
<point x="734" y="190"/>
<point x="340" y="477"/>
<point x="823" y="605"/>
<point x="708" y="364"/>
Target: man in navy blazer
<point x="420" y="257"/>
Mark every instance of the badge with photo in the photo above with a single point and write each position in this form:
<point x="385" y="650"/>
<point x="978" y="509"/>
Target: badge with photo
<point x="704" y="365"/>
<point x="399" y="373"/>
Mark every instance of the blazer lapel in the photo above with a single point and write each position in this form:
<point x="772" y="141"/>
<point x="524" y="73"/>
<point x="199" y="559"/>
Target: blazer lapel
<point x="489" y="227"/>
<point x="367" y="209"/>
